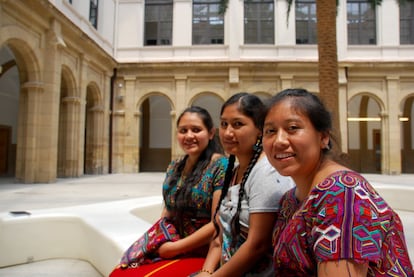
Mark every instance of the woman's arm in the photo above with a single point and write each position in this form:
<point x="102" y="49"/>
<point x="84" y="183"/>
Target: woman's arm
<point x="197" y="239"/>
<point x="165" y="212"/>
<point x="214" y="251"/>
<point x="257" y="244"/>
<point x="342" y="268"/>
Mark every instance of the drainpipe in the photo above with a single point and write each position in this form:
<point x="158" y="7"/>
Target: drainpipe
<point x="111" y="106"/>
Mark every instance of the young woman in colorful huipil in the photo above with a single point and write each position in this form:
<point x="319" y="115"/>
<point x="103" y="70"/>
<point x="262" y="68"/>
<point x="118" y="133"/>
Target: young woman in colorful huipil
<point x="191" y="191"/>
<point x="333" y="223"/>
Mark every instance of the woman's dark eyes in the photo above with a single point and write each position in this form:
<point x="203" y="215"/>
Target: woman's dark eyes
<point x="234" y="125"/>
<point x="196" y="130"/>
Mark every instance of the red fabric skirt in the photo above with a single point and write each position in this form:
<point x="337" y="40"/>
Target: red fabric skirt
<point x="172" y="268"/>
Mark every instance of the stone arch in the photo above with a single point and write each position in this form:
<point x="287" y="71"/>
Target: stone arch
<point x="94" y="131"/>
<point x="407" y="134"/>
<point x="23" y="46"/>
<point x="212" y="102"/>
<point x="68" y="129"/>
<point x="365" y="115"/>
<point x="155" y="124"/>
<point x="9" y="107"/>
<point x="29" y="88"/>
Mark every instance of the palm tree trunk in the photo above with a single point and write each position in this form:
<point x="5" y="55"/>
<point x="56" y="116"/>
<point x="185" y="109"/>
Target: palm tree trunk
<point x="328" y="61"/>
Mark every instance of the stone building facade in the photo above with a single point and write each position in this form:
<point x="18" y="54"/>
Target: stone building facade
<point x="81" y="96"/>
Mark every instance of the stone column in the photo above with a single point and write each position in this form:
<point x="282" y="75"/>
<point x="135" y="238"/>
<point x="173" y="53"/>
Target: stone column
<point x="130" y="138"/>
<point x="71" y="141"/>
<point x="181" y="103"/>
<point x="97" y="121"/>
<point x="27" y="160"/>
<point x="138" y="116"/>
<point x="393" y="130"/>
<point x="343" y="109"/>
<point x="117" y="141"/>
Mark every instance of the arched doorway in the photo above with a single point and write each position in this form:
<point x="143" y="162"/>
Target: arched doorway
<point x="9" y="108"/>
<point x="68" y="138"/>
<point x="364" y="134"/>
<point x="407" y="136"/>
<point x="212" y="103"/>
<point x="93" y="146"/>
<point x="155" y="134"/>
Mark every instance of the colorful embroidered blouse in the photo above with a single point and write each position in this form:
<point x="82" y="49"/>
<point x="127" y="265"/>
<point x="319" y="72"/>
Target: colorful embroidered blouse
<point x="342" y="218"/>
<point x="202" y="192"/>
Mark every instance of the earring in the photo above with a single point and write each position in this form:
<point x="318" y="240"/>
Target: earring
<point x="258" y="145"/>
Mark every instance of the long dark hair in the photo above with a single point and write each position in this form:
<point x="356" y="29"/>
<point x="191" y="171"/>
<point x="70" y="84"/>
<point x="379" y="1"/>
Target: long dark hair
<point x="252" y="107"/>
<point x="183" y="195"/>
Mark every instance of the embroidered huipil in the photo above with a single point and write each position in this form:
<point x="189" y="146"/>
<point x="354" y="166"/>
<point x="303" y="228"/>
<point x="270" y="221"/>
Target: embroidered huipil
<point x="342" y="218"/>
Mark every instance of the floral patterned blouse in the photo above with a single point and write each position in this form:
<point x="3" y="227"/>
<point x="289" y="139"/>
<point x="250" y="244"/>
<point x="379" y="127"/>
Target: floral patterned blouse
<point x="202" y="192"/>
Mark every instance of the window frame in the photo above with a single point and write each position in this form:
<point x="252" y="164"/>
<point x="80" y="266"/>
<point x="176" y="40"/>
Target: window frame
<point x="356" y="35"/>
<point x="93" y="12"/>
<point x="258" y="22"/>
<point x="406" y="38"/>
<point x="159" y="22"/>
<point x="309" y="21"/>
<point x="211" y="20"/>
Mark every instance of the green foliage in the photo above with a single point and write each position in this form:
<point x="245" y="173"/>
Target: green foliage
<point x="223" y="6"/>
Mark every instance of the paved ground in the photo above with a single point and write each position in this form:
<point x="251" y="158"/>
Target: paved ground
<point x="105" y="188"/>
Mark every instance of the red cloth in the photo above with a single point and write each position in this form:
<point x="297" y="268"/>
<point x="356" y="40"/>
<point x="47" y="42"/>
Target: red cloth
<point x="171" y="268"/>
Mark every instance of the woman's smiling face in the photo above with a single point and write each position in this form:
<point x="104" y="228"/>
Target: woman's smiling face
<point x="292" y="144"/>
<point x="237" y="132"/>
<point x="192" y="135"/>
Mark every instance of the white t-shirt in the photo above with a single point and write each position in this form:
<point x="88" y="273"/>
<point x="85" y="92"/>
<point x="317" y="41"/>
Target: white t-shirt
<point x="263" y="189"/>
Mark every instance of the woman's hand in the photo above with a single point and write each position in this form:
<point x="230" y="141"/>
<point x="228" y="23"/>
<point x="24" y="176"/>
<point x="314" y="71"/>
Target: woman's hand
<point x="168" y="250"/>
<point x="202" y="274"/>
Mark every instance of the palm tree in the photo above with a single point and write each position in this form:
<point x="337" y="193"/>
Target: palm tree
<point x="327" y="55"/>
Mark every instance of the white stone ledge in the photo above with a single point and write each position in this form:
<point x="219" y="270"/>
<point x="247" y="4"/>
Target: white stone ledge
<point x="97" y="233"/>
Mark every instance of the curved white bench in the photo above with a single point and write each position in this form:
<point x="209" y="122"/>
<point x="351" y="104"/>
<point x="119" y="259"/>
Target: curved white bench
<point x="97" y="233"/>
<point x="100" y="233"/>
<point x="399" y="197"/>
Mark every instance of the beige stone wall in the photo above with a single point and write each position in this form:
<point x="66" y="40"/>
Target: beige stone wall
<point x="74" y="119"/>
<point x="64" y="79"/>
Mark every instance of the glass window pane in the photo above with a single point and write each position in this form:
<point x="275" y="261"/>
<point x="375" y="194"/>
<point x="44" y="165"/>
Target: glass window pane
<point x="407" y="22"/>
<point x="158" y="22"/>
<point x="361" y="22"/>
<point x="208" y="25"/>
<point x="258" y="22"/>
<point x="305" y="12"/>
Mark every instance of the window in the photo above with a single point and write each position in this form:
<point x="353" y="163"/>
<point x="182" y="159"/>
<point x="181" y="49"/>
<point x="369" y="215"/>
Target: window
<point x="305" y="12"/>
<point x="93" y="13"/>
<point x="158" y="22"/>
<point x="259" y="22"/>
<point x="361" y="22"/>
<point x="208" y="24"/>
<point x="406" y="22"/>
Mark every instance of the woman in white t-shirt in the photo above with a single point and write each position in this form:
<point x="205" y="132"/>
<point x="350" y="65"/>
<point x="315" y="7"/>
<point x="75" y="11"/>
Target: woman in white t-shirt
<point x="242" y="245"/>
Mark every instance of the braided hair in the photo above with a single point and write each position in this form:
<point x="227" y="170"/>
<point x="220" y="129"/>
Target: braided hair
<point x="184" y="194"/>
<point x="252" y="107"/>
